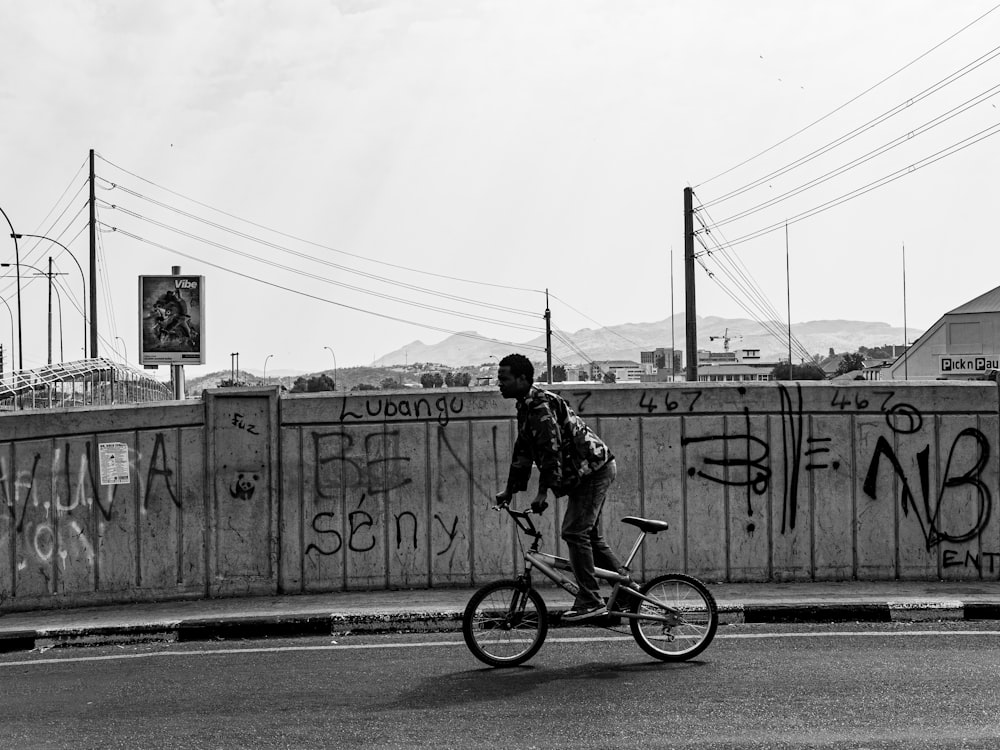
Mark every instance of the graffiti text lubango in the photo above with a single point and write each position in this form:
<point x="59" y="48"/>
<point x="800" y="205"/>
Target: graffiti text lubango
<point x="441" y="408"/>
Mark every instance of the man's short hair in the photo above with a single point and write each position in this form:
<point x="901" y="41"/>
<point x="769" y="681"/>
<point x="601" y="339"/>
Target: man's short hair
<point x="519" y="365"/>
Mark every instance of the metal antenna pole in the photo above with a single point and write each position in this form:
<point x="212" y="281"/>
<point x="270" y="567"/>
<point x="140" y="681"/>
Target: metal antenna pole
<point x="673" y="322"/>
<point x="906" y="356"/>
<point x="788" y="287"/>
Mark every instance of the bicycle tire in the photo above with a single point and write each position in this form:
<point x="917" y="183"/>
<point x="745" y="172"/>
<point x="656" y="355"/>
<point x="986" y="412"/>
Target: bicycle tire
<point x="505" y="623"/>
<point x="695" y="610"/>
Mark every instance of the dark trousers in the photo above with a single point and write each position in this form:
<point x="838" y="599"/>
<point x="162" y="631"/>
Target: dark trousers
<point x="582" y="533"/>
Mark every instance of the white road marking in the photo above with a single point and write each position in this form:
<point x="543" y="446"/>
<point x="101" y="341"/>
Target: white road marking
<point x="460" y="642"/>
<point x="842" y="633"/>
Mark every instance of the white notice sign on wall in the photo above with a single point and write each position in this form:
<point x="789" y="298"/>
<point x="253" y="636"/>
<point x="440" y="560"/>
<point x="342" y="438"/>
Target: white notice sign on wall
<point x="114" y="463"/>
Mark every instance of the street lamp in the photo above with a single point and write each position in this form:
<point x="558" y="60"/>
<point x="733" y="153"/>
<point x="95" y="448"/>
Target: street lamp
<point x="334" y="367"/>
<point x="83" y="279"/>
<point x="17" y="263"/>
<point x="40" y="272"/>
<point x="11" y="314"/>
<point x="265" y="367"/>
<point x="119" y="338"/>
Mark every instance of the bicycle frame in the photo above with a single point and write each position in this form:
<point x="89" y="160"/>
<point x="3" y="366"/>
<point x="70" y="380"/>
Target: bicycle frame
<point x="551" y="566"/>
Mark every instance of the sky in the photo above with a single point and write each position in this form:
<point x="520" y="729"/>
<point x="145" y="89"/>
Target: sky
<point x="350" y="176"/>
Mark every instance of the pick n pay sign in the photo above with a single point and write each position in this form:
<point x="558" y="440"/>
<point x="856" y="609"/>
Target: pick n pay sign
<point x="963" y="365"/>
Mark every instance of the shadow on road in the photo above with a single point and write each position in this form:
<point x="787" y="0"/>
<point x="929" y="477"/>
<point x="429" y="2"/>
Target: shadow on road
<point x="488" y="684"/>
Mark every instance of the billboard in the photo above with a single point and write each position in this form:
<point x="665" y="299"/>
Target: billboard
<point x="172" y="320"/>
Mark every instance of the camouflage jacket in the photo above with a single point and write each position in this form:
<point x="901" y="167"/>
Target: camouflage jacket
<point x="552" y="436"/>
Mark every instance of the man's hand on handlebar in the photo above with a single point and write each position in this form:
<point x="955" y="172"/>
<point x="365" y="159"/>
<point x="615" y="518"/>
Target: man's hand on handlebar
<point x="538" y="505"/>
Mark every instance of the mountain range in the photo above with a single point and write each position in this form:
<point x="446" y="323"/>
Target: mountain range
<point x="626" y="341"/>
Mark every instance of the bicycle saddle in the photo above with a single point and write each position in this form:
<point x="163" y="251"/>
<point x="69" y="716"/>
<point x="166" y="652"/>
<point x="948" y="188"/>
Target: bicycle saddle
<point x="648" y="525"/>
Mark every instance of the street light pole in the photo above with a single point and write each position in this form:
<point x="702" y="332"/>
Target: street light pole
<point x="334" y="367"/>
<point x="119" y="338"/>
<point x="83" y="279"/>
<point x="50" y="309"/>
<point x="17" y="262"/>
<point x="265" y="367"/>
<point x="49" y="274"/>
<point x="11" y="314"/>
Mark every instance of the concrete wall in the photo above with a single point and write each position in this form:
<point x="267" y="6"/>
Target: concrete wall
<point x="246" y="492"/>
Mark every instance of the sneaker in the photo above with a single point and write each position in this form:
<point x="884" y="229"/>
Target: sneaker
<point x="584" y="613"/>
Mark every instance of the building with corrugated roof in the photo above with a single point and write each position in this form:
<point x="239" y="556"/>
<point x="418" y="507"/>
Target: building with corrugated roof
<point x="963" y="344"/>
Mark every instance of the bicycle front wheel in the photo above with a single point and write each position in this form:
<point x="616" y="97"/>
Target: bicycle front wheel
<point x="686" y="617"/>
<point x="505" y="623"/>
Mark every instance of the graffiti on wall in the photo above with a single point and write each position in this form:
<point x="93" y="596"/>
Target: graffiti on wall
<point x="64" y="523"/>
<point x="394" y="482"/>
<point x="927" y="508"/>
<point x="360" y="469"/>
<point x="742" y="459"/>
<point x="442" y="408"/>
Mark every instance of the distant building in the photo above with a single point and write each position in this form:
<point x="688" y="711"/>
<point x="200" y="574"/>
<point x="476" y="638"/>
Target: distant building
<point x="742" y="365"/>
<point x="657" y="364"/>
<point x="623" y="370"/>
<point x="963" y="344"/>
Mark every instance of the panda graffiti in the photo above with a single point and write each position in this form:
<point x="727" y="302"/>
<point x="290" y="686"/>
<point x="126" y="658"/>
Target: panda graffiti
<point x="242" y="488"/>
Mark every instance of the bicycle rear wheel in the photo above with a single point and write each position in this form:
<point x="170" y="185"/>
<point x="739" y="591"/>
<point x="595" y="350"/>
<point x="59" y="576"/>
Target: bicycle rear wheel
<point x="691" y="617"/>
<point x="505" y="623"/>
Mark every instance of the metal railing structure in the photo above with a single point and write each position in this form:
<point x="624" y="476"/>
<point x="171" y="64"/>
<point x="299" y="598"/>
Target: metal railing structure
<point x="85" y="382"/>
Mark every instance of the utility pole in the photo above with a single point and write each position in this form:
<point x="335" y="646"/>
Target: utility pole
<point x="93" y="262"/>
<point x="48" y="274"/>
<point x="548" y="340"/>
<point x="788" y="287"/>
<point x="690" y="323"/>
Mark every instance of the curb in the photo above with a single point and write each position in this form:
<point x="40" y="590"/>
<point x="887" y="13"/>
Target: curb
<point x="772" y="614"/>
<point x="290" y="626"/>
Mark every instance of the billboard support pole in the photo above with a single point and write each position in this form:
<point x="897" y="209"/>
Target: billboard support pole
<point x="177" y="371"/>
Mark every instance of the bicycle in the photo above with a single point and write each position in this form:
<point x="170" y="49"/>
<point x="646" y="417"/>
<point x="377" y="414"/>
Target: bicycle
<point x="673" y="617"/>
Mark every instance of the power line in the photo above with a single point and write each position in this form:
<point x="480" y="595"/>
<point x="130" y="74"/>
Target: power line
<point x="599" y="325"/>
<point x="853" y="99"/>
<point x="102" y="266"/>
<point x="885" y="116"/>
<point x="884" y="148"/>
<point x="745" y="282"/>
<point x="306" y="256"/>
<point x="950" y="150"/>
<point x="466" y="334"/>
<point x="82" y="167"/>
<point x="325" y="280"/>
<point x="316" y="244"/>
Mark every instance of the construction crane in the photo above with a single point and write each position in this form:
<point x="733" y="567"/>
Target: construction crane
<point x="726" y="338"/>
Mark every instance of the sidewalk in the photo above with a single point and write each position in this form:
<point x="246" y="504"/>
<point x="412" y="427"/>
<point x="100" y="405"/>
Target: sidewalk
<point x="441" y="610"/>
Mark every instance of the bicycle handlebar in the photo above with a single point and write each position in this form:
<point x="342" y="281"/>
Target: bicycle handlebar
<point x="505" y="505"/>
<point x="526" y="512"/>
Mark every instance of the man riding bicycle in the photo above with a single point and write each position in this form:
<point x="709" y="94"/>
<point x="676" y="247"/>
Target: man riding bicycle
<point x="572" y="460"/>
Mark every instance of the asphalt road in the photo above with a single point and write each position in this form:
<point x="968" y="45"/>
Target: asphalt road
<point x="888" y="686"/>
